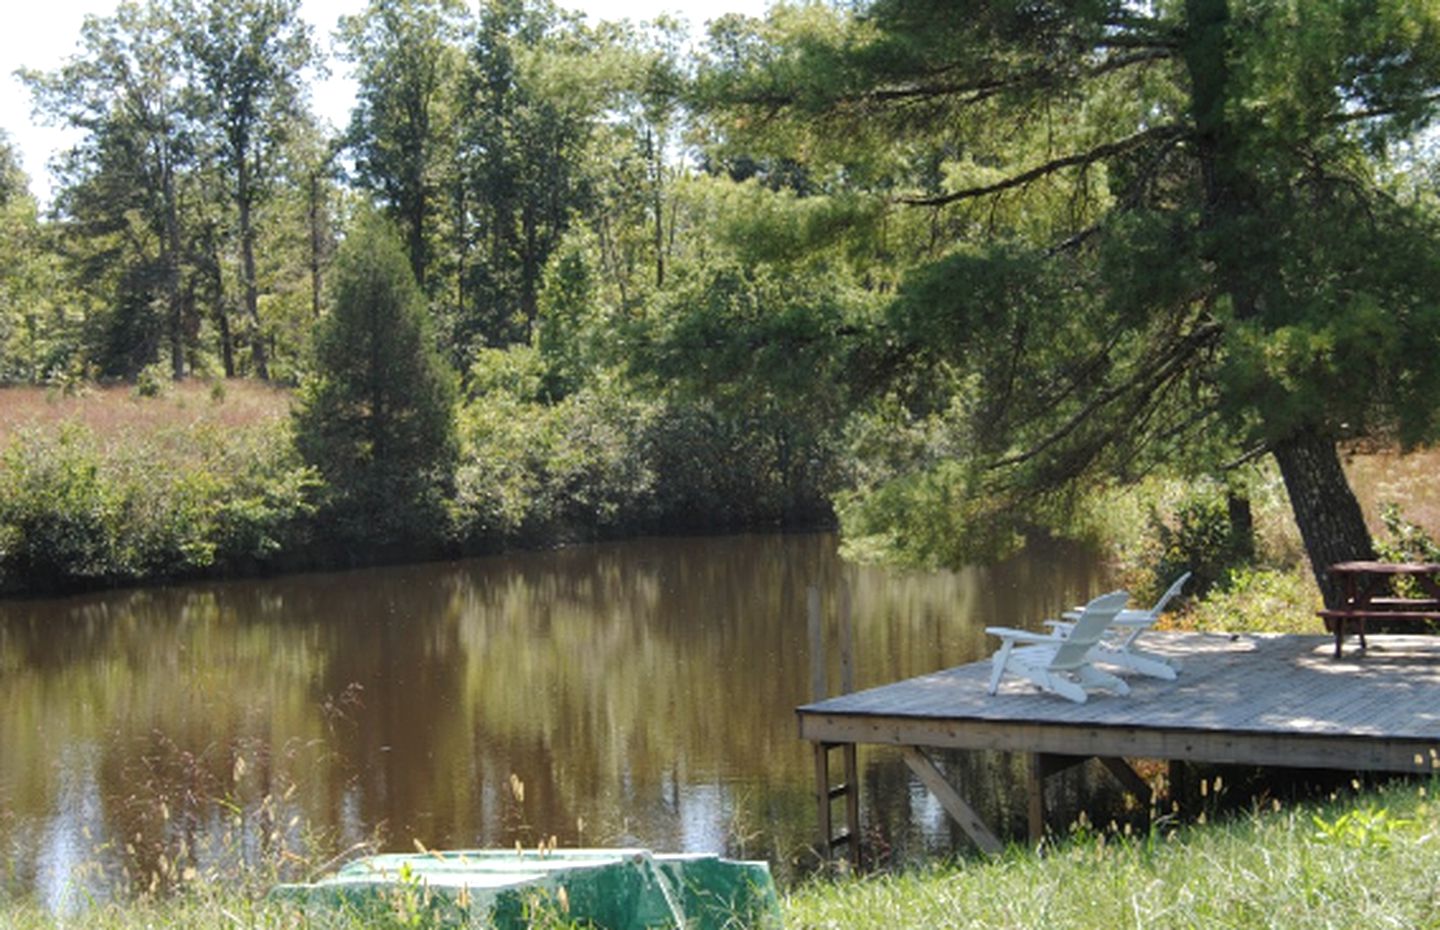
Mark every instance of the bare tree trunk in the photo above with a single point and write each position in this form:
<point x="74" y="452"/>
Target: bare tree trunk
<point x="316" y="244"/>
<point x="652" y="158"/>
<point x="227" y="342"/>
<point x="1242" y="525"/>
<point x="173" y="296"/>
<point x="1330" y="521"/>
<point x="247" y="271"/>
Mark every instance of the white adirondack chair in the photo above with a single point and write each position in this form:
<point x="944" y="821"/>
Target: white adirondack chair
<point x="1117" y="647"/>
<point x="1059" y="663"/>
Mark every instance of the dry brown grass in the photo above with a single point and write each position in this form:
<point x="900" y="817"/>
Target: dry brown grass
<point x="1411" y="480"/>
<point x="115" y="411"/>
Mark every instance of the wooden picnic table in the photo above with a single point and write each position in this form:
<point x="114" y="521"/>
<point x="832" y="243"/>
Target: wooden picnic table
<point x="1368" y="596"/>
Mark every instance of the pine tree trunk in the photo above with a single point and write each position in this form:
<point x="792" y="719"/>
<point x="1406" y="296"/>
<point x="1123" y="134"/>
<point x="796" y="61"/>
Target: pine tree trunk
<point x="1329" y="517"/>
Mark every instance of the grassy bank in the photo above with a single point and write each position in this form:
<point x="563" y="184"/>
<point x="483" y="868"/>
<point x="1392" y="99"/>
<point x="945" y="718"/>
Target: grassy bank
<point x="1364" y="861"/>
<point x="117" y="485"/>
<point x="1370" y="859"/>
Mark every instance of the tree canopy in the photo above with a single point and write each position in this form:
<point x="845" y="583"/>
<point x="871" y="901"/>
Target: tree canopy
<point x="1170" y="234"/>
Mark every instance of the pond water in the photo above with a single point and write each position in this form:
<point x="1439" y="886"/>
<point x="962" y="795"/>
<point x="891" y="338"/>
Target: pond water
<point x="636" y="693"/>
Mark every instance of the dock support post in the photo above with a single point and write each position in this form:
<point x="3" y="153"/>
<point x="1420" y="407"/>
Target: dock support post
<point x="852" y="801"/>
<point x="822" y="797"/>
<point x="1179" y="778"/>
<point x="1041" y="765"/>
<point x="1035" y="797"/>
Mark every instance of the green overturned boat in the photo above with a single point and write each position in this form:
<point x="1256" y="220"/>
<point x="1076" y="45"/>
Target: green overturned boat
<point x="608" y="889"/>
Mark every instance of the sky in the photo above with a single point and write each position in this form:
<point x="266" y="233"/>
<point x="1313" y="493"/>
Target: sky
<point x="41" y="34"/>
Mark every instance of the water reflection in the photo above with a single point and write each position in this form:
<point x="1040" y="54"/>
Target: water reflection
<point x="640" y="692"/>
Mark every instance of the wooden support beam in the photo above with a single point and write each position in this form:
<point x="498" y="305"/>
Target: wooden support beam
<point x="847" y="643"/>
<point x="1035" y="796"/>
<point x="950" y="799"/>
<point x="1128" y="777"/>
<point x="1135" y="742"/>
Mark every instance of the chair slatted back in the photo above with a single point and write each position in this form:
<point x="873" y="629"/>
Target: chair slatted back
<point x="1168" y="596"/>
<point x="1094" y="619"/>
<point x="1155" y="611"/>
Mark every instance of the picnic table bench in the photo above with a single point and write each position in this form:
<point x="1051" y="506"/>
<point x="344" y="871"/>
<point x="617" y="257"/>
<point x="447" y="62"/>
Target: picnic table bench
<point x="1368" y="597"/>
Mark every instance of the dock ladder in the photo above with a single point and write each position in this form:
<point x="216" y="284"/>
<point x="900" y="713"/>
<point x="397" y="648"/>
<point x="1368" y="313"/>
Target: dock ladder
<point x="827" y="793"/>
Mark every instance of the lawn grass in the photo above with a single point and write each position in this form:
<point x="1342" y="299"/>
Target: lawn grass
<point x="1366" y="861"/>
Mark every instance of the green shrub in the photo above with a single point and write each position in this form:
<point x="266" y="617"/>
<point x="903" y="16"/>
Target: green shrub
<point x="601" y="461"/>
<point x="1200" y="537"/>
<point x="1404" y="541"/>
<point x="530" y="470"/>
<point x="1259" y="601"/>
<point x="175" y="502"/>
<point x="153" y="380"/>
<point x="59" y="514"/>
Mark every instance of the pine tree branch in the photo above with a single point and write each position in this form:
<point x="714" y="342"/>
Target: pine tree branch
<point x="974" y="91"/>
<point x="1356" y="116"/>
<point x="1147" y="379"/>
<point x="1166" y="132"/>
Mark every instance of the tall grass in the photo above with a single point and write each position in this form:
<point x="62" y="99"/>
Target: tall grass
<point x="1367" y="861"/>
<point x="114" y="413"/>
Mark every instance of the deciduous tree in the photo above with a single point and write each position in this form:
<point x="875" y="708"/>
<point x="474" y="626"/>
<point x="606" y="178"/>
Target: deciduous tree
<point x="124" y="186"/>
<point x="406" y="58"/>
<point x="250" y="57"/>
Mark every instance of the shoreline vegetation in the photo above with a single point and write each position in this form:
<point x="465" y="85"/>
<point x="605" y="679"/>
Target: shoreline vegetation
<point x="1119" y="273"/>
<point x="123" y="485"/>
<point x="119" y="485"/>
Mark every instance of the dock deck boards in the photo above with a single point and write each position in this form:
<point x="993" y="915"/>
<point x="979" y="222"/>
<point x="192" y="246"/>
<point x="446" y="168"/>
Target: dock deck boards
<point x="1247" y="698"/>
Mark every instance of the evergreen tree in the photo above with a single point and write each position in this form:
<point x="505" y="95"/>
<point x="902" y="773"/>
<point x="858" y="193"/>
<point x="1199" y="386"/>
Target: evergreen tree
<point x="1170" y="236"/>
<point x="377" y="417"/>
<point x="532" y="98"/>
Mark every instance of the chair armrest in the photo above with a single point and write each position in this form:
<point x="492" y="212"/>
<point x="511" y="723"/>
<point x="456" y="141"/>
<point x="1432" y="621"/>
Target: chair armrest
<point x="1023" y="636"/>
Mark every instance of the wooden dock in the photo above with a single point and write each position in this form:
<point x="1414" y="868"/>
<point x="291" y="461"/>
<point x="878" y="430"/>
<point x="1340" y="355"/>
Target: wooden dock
<point x="1251" y="699"/>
